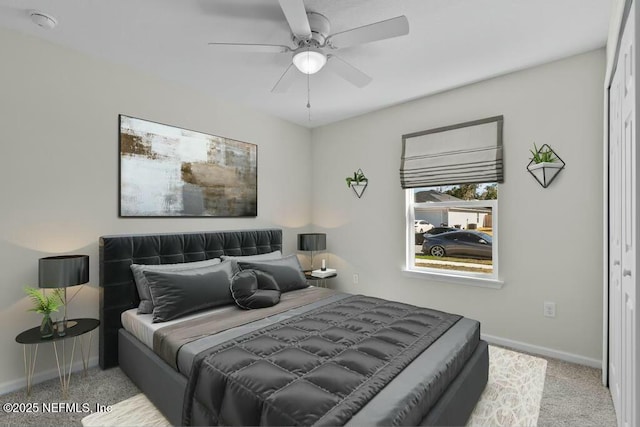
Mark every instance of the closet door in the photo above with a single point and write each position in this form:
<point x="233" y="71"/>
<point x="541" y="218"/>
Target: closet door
<point x="629" y="355"/>
<point x="624" y="155"/>
<point x="615" y="241"/>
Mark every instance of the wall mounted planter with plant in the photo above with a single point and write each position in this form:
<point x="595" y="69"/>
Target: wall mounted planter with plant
<point x="545" y="165"/>
<point x="358" y="182"/>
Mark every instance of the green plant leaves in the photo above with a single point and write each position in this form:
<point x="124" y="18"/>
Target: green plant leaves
<point x="358" y="177"/>
<point x="44" y="304"/>
<point x="542" y="156"/>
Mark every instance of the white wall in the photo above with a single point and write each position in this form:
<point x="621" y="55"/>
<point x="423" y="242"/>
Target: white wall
<point x="59" y="170"/>
<point x="550" y="246"/>
<point x="59" y="174"/>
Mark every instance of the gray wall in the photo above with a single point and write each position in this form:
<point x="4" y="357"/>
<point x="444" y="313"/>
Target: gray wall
<point x="59" y="171"/>
<point x="550" y="244"/>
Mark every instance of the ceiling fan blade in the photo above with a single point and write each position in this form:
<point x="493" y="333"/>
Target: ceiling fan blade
<point x="286" y="80"/>
<point x="251" y="47"/>
<point x="347" y="71"/>
<point x="394" y="27"/>
<point x="296" y="16"/>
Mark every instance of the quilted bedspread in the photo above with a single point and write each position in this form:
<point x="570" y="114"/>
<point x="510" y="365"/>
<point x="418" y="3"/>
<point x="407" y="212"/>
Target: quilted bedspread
<point x="318" y="368"/>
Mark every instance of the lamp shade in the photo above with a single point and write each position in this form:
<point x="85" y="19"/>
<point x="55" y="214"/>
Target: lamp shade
<point x="63" y="271"/>
<point x="312" y="242"/>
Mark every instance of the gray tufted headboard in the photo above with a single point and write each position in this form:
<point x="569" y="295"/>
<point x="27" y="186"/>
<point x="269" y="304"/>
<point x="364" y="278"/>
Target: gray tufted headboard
<point x="117" y="289"/>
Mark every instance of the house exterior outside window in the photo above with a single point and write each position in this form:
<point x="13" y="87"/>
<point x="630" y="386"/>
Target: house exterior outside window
<point x="452" y="233"/>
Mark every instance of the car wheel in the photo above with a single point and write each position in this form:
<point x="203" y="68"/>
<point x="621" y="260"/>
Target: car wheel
<point x="437" y="251"/>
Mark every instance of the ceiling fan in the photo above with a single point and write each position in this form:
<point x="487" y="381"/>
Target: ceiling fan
<point x="310" y="32"/>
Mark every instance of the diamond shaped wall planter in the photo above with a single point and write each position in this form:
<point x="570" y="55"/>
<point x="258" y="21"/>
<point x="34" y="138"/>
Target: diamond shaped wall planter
<point x="546" y="172"/>
<point x="358" y="182"/>
<point x="359" y="188"/>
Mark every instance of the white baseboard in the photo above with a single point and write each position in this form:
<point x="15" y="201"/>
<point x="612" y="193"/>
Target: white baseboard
<point x="40" y="377"/>
<point x="544" y="351"/>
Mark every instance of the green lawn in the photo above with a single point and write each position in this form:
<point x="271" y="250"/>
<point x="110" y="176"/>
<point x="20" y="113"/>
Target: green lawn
<point x="455" y="268"/>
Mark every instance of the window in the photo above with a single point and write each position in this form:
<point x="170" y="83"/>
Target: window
<point x="452" y="230"/>
<point x="450" y="176"/>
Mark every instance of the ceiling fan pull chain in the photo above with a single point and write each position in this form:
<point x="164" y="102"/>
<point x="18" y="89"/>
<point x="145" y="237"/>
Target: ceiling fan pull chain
<point x="309" y="96"/>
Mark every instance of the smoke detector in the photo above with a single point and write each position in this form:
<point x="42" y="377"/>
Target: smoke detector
<point x="42" y="19"/>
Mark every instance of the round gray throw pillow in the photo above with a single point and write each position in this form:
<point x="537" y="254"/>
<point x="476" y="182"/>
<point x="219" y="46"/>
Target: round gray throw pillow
<point x="254" y="289"/>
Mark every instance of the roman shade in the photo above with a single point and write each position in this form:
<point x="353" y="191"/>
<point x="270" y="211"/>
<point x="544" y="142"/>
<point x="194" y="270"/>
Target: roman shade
<point x="466" y="153"/>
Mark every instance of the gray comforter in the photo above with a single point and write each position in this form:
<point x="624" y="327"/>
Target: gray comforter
<point x="169" y="340"/>
<point x="318" y="368"/>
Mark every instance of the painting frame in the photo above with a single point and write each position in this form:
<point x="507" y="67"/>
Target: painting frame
<point x="167" y="171"/>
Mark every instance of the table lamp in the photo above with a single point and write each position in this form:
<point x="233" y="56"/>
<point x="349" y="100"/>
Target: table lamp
<point x="61" y="272"/>
<point x="312" y="242"/>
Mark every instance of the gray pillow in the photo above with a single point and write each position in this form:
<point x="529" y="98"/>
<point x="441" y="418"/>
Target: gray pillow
<point x="176" y="293"/>
<point x="146" y="304"/>
<point x="287" y="271"/>
<point x="254" y="289"/>
<point x="260" y="257"/>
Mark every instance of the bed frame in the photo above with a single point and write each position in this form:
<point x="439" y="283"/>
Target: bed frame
<point x="164" y="386"/>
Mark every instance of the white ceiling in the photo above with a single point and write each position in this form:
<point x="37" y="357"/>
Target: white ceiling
<point x="451" y="43"/>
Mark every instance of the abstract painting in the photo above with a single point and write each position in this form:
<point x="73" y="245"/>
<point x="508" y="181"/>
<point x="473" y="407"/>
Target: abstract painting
<point x="169" y="171"/>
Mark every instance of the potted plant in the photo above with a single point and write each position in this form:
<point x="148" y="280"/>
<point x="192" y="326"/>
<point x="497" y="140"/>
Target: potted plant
<point x="357" y="178"/>
<point x="45" y="305"/>
<point x="543" y="157"/>
<point x="358" y="182"/>
<point x="544" y="165"/>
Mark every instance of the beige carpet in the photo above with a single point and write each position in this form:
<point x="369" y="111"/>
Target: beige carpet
<point x="511" y="398"/>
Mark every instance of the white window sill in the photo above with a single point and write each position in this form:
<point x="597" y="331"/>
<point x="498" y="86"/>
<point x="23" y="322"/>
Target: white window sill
<point x="453" y="278"/>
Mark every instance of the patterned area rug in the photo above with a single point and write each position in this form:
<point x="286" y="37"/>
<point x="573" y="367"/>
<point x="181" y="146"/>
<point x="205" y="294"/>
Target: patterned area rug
<point x="135" y="411"/>
<point x="511" y="398"/>
<point x="513" y="393"/>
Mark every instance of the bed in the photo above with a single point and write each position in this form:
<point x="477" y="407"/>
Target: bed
<point x="437" y="385"/>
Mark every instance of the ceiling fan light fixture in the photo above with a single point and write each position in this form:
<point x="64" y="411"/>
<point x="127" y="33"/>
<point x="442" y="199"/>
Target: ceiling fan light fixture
<point x="309" y="60"/>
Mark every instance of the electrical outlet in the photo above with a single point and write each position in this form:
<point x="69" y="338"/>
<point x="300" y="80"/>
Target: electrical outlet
<point x="549" y="309"/>
<point x="356" y="279"/>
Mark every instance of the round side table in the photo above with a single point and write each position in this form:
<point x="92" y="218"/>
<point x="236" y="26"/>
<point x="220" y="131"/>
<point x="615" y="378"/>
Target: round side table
<point x="31" y="339"/>
<point x="318" y="281"/>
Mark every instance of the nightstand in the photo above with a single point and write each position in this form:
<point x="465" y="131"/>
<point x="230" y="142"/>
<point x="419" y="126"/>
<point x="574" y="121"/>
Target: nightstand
<point x="31" y="339"/>
<point x="318" y="281"/>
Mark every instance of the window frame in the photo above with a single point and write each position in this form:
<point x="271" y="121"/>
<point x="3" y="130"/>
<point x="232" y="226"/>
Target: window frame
<point x="491" y="280"/>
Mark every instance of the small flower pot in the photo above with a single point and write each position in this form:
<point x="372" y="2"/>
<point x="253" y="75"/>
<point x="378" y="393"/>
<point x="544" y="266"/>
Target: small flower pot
<point x="359" y="188"/>
<point x="545" y="172"/>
